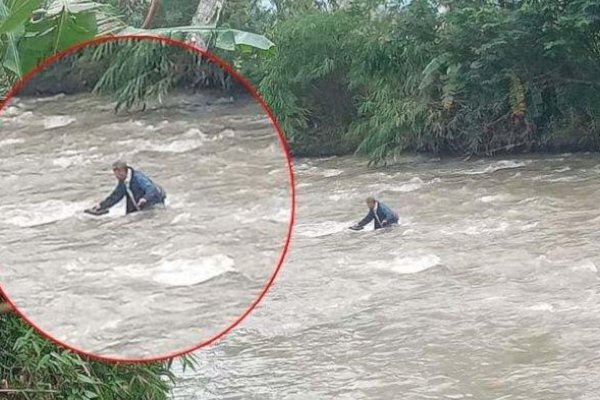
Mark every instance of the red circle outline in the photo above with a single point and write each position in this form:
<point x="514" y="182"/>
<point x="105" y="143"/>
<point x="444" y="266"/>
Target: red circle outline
<point x="284" y="146"/>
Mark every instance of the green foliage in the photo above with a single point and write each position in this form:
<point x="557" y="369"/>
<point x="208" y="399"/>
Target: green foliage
<point x="32" y="30"/>
<point x="479" y="78"/>
<point x="26" y="39"/>
<point x="13" y="16"/>
<point x="33" y="368"/>
<point x="173" y="13"/>
<point x="221" y="38"/>
<point x="138" y="71"/>
<point x="306" y="81"/>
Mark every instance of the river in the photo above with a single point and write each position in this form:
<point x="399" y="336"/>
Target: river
<point x="487" y="289"/>
<point x="148" y="284"/>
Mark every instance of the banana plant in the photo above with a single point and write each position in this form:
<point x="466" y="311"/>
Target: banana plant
<point x="13" y="16"/>
<point x="222" y="38"/>
<point x="32" y="30"/>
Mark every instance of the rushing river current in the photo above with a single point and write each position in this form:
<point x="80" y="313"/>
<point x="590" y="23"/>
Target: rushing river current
<point x="145" y="284"/>
<point x="487" y="289"/>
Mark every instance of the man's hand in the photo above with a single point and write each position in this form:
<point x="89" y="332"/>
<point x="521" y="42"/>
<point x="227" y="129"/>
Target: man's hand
<point x="96" y="210"/>
<point x="141" y="203"/>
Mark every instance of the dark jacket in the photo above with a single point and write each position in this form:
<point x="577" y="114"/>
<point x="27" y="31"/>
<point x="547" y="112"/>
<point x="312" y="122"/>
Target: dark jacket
<point x="139" y="186"/>
<point x="384" y="214"/>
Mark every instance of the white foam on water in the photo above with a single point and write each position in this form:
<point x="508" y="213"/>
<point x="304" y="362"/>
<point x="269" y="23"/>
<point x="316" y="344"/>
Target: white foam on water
<point x="73" y="266"/>
<point x="77" y="159"/>
<point x="493" y="298"/>
<point x="542" y="307"/>
<point x="412" y="185"/>
<point x="30" y="215"/>
<point x="304" y="166"/>
<point x="192" y="272"/>
<point x="9" y="142"/>
<point x="57" y="121"/>
<point x="588" y="265"/>
<point x="181" y="218"/>
<point x="338" y="197"/>
<point x="563" y="169"/>
<point x="564" y="179"/>
<point x="175" y="201"/>
<point x="477" y="227"/>
<point x="493" y="198"/>
<point x="273" y="148"/>
<point x="529" y="226"/>
<point x="499" y="165"/>
<point x="407" y="265"/>
<point x="47" y="98"/>
<point x="11" y="111"/>
<point x="195" y="133"/>
<point x="129" y="126"/>
<point x="24" y="117"/>
<point x="175" y="146"/>
<point x="249" y="215"/>
<point x="477" y="230"/>
<point x="281" y="215"/>
<point x="65" y="162"/>
<point x="227" y="133"/>
<point x="329" y="173"/>
<point x="323" y="228"/>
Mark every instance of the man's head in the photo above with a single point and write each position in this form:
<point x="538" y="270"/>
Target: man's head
<point x="120" y="170"/>
<point x="371" y="202"/>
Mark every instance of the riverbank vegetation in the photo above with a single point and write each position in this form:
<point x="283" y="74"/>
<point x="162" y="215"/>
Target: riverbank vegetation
<point x="450" y="77"/>
<point x="379" y="77"/>
<point x="32" y="30"/>
<point x="33" y="368"/>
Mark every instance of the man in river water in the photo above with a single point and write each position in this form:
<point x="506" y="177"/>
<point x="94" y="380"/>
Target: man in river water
<point x="141" y="192"/>
<point x="380" y="213"/>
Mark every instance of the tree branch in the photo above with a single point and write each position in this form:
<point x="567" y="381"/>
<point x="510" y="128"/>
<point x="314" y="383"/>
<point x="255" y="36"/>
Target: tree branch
<point x="207" y="13"/>
<point x="152" y="10"/>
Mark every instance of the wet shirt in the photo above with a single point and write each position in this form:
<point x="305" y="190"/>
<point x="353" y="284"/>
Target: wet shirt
<point x="139" y="186"/>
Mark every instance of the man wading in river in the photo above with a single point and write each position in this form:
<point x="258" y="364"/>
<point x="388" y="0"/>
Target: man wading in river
<point x="141" y="192"/>
<point x="382" y="214"/>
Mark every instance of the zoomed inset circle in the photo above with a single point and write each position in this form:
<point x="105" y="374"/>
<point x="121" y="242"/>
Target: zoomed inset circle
<point x="146" y="285"/>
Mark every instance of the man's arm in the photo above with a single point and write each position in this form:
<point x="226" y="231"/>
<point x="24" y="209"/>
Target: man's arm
<point x="116" y="196"/>
<point x="151" y="193"/>
<point x="388" y="215"/>
<point x="366" y="219"/>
